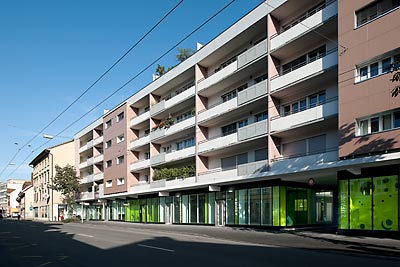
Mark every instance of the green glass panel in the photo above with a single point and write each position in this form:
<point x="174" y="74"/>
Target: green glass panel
<point x="386" y="203"/>
<point x="275" y="206"/>
<point x="343" y="204"/>
<point x="230" y="207"/>
<point x="266" y="206"/>
<point x="128" y="212"/>
<point x="206" y="210"/>
<point x="361" y="203"/>
<point x="211" y="210"/>
<point x="282" y="200"/>
<point x="243" y="206"/>
<point x="255" y="206"/>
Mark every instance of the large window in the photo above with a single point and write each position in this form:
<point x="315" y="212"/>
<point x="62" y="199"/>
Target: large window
<point x="304" y="59"/>
<point x="378" y="123"/>
<point x="304" y="103"/>
<point x="369" y="203"/>
<point x="377" y="67"/>
<point x="185" y="144"/>
<point x="311" y="145"/>
<point x="374" y="10"/>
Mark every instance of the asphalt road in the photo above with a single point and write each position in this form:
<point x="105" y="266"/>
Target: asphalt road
<point x="24" y="243"/>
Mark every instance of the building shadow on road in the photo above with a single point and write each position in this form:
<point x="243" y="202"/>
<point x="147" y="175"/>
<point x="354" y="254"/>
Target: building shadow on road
<point x="24" y="243"/>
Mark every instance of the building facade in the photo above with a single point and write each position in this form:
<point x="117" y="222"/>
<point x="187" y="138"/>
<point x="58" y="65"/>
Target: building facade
<point x="261" y="126"/>
<point x="3" y="198"/>
<point x="13" y="187"/>
<point x="48" y="203"/>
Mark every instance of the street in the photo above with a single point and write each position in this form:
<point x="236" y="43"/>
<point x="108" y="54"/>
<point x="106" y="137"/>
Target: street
<point x="26" y="243"/>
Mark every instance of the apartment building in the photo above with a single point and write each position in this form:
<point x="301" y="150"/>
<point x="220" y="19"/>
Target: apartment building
<point x="369" y="118"/>
<point x="3" y="197"/>
<point x="48" y="203"/>
<point x="89" y="158"/>
<point x="248" y="131"/>
<point x="12" y="188"/>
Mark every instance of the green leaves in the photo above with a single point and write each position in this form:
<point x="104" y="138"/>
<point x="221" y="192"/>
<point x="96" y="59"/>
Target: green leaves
<point x="173" y="173"/>
<point x="66" y="182"/>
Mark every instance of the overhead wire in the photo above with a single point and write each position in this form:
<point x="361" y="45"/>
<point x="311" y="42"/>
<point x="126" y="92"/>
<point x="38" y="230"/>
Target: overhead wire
<point x="93" y="84"/>
<point x="128" y="82"/>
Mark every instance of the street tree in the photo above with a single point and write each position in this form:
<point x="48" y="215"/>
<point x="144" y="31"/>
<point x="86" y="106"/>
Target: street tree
<point x="67" y="183"/>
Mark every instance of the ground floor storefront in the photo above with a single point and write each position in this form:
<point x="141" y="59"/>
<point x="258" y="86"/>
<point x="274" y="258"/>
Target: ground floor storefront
<point x="363" y="199"/>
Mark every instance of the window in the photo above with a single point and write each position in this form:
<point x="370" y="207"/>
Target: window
<point x="229" y="129"/>
<point x="304" y="59"/>
<point x="120" y="138"/>
<point x="261" y="116"/>
<point x="378" y="123"/>
<point x="260" y="78"/>
<point x="146" y="108"/>
<point x="228" y="96"/>
<point x="120" y="160"/>
<point x="108" y="163"/>
<point x="243" y="123"/>
<point x="185" y="144"/>
<point x="108" y="144"/>
<point x="147" y="155"/>
<point x="108" y="124"/>
<point x="261" y="154"/>
<point x="377" y="67"/>
<point x="167" y="149"/>
<point x="313" y="101"/>
<point x="184" y="116"/>
<point x="147" y="132"/>
<point x="108" y="183"/>
<point x="120" y="116"/>
<point x="374" y="10"/>
<point x="120" y="181"/>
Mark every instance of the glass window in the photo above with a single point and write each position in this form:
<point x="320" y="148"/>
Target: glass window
<point x="317" y="144"/>
<point x="229" y="129"/>
<point x="363" y="73"/>
<point x="375" y="125"/>
<point x="261" y="116"/>
<point x="243" y="209"/>
<point x="255" y="206"/>
<point x="386" y="65"/>
<point x="108" y="144"/>
<point x="363" y="126"/>
<point x="360" y="212"/>
<point x="374" y="10"/>
<point x="266" y="206"/>
<point x="385" y="203"/>
<point x="108" y="163"/>
<point x="230" y="208"/>
<point x="193" y="208"/>
<point x="120" y="117"/>
<point x="108" y="124"/>
<point x="374" y="69"/>
<point x="228" y="163"/>
<point x="295" y="107"/>
<point x="313" y="101"/>
<point x="286" y="110"/>
<point x="243" y="123"/>
<point x="321" y="98"/>
<point x="201" y="198"/>
<point x="242" y="159"/>
<point x="396" y="119"/>
<point x="261" y="154"/>
<point x="303" y="104"/>
<point x="387" y="121"/>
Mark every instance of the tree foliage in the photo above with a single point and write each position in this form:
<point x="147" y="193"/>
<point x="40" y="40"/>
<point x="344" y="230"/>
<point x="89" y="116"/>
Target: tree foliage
<point x="160" y="70"/>
<point x="173" y="173"/>
<point x="67" y="183"/>
<point x="184" y="53"/>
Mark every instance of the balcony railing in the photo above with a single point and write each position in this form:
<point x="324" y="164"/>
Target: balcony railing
<point x="252" y="53"/>
<point x="170" y="102"/>
<point x="305" y="70"/>
<point x="140" y="164"/>
<point x="309" y="114"/>
<point x="173" y="155"/>
<point x="140" y="118"/>
<point x="175" y="128"/>
<point x="144" y="140"/>
<point x="227" y="139"/>
<point x="304" y="23"/>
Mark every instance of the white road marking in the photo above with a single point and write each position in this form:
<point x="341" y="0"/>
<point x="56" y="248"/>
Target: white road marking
<point x="44" y="264"/>
<point x="85" y="235"/>
<point x="164" y="249"/>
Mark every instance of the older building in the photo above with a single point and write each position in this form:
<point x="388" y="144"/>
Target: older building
<point x="48" y="203"/>
<point x="256" y="127"/>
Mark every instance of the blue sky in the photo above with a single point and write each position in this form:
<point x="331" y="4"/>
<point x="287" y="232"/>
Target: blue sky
<point x="51" y="51"/>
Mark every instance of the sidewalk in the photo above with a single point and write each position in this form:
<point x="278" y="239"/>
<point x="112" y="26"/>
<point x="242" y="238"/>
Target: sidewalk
<point x="298" y="238"/>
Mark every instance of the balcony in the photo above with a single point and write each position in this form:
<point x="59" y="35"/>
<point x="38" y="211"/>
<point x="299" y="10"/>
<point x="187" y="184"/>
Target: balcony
<point x="98" y="176"/>
<point x="140" y="165"/>
<point x="98" y="158"/>
<point x="177" y="127"/>
<point x="244" y="97"/>
<point x="141" y="118"/>
<point x="308" y="116"/>
<point x="86" y="196"/>
<point x="253" y="130"/>
<point x="98" y="140"/>
<point x="86" y="179"/>
<point x="252" y="54"/>
<point x="218" y="76"/>
<point x="86" y="163"/>
<point x="144" y="140"/>
<point x="306" y="70"/>
<point x="173" y="156"/>
<point x="217" y="110"/>
<point x="251" y="169"/>
<point x="301" y="162"/>
<point x="166" y="104"/>
<point x="313" y="20"/>
<point x="251" y="93"/>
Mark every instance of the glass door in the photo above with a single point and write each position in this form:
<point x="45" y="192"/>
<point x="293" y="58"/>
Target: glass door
<point x="220" y="212"/>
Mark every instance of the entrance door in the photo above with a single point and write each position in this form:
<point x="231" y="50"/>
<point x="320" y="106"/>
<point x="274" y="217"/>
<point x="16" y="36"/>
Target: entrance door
<point x="168" y="213"/>
<point x="220" y="210"/>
